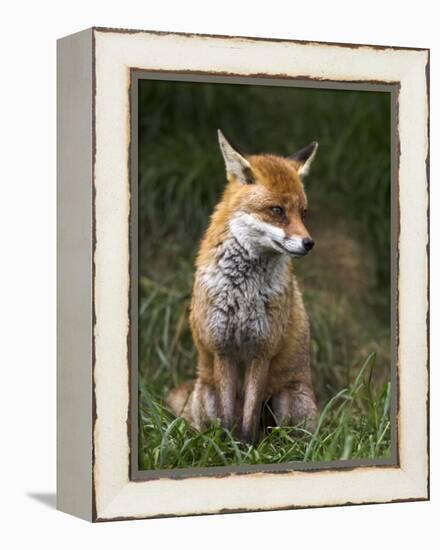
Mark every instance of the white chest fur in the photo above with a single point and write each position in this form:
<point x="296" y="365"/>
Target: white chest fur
<point x="241" y="286"/>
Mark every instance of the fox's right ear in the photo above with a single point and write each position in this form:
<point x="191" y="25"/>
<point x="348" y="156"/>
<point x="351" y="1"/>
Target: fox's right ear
<point x="236" y="165"/>
<point x="304" y="158"/>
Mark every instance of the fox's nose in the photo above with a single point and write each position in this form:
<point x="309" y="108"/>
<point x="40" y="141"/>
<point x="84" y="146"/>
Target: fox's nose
<point x="308" y="243"/>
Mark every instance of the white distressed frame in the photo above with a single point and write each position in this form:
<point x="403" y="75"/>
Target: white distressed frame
<point x="113" y="494"/>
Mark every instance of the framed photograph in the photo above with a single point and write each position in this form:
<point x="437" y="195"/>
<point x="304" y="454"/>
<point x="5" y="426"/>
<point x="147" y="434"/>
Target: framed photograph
<point x="242" y="274"/>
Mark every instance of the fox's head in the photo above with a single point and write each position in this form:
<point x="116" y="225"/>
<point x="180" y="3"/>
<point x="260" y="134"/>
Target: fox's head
<point x="267" y="200"/>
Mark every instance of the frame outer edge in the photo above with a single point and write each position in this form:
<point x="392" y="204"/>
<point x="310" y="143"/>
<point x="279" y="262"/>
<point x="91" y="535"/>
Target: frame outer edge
<point x="428" y="258"/>
<point x="74" y="274"/>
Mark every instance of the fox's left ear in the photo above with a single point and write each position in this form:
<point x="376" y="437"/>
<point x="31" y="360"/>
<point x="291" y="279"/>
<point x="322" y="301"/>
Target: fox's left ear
<point x="236" y="164"/>
<point x="304" y="158"/>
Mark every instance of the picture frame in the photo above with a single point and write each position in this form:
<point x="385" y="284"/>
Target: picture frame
<point x="98" y="72"/>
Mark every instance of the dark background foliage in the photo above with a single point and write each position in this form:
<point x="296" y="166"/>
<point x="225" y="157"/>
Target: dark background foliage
<point x="345" y="280"/>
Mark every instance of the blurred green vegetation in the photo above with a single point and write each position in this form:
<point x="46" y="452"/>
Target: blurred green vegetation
<point x="345" y="280"/>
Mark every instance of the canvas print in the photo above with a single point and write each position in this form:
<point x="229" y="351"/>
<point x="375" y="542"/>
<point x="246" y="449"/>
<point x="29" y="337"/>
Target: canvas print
<point x="264" y="275"/>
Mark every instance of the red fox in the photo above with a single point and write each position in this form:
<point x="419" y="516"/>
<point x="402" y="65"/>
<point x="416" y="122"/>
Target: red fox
<point x="247" y="315"/>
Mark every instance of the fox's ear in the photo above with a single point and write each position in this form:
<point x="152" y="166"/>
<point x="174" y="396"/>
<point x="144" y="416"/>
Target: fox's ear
<point x="304" y="158"/>
<point x="236" y="165"/>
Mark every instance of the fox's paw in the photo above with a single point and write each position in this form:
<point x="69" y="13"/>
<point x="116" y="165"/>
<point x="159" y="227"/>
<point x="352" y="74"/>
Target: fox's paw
<point x="294" y="405"/>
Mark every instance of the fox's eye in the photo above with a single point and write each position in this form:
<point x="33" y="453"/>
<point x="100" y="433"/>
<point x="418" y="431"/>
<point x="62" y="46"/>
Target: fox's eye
<point x="303" y="214"/>
<point x="278" y="211"/>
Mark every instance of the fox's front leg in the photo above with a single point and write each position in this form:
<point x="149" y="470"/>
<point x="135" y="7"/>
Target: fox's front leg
<point x="226" y="377"/>
<point x="255" y="383"/>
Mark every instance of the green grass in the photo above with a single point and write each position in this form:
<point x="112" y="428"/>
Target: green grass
<point x="353" y="424"/>
<point x="345" y="280"/>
